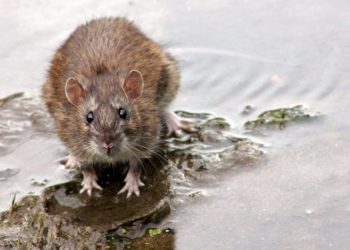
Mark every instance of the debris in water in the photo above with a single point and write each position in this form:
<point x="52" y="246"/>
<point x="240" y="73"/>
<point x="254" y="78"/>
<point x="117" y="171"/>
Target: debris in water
<point x="196" y="194"/>
<point x="14" y="205"/>
<point x="248" y="109"/>
<point x="37" y="183"/>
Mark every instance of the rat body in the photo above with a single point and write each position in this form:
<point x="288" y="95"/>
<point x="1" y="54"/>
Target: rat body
<point x="108" y="89"/>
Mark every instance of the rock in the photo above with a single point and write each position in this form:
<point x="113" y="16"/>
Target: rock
<point x="62" y="217"/>
<point x="212" y="148"/>
<point x="162" y="239"/>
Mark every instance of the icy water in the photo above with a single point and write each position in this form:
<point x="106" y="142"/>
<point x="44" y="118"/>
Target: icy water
<point x="267" y="54"/>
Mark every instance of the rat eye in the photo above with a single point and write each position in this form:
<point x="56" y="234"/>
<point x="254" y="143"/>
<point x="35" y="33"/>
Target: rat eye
<point x="90" y="117"/>
<point x="122" y="113"/>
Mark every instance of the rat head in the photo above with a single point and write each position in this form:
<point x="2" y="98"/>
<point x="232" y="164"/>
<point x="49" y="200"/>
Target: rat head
<point x="105" y="112"/>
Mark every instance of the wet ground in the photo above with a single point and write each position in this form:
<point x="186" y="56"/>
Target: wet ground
<point x="266" y="54"/>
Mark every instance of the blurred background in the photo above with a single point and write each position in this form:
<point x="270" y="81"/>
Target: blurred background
<point x="267" y="54"/>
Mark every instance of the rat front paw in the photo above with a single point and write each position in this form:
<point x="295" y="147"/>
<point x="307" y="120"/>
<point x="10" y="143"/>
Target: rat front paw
<point x="89" y="182"/>
<point x="172" y="122"/>
<point x="133" y="182"/>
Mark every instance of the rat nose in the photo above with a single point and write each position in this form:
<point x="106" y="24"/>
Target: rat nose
<point x="108" y="145"/>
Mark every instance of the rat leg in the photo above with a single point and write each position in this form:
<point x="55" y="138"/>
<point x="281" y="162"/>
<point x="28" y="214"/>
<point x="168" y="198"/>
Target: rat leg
<point x="172" y="121"/>
<point x="132" y="181"/>
<point x="89" y="181"/>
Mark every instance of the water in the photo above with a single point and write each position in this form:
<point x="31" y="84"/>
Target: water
<point x="267" y="54"/>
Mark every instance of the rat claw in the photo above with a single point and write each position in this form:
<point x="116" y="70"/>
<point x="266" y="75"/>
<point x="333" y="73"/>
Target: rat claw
<point x="123" y="189"/>
<point x="85" y="189"/>
<point x="130" y="188"/>
<point x="89" y="182"/>
<point x="132" y="184"/>
<point x="95" y="185"/>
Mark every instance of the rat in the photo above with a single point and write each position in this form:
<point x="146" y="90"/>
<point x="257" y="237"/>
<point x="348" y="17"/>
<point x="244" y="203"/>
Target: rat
<point x="108" y="90"/>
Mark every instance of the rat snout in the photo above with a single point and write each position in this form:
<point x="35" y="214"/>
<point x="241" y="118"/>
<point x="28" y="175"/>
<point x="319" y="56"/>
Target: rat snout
<point x="111" y="144"/>
<point x="107" y="145"/>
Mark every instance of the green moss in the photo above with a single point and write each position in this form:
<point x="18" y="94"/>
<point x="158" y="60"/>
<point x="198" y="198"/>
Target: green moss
<point x="154" y="232"/>
<point x="280" y="117"/>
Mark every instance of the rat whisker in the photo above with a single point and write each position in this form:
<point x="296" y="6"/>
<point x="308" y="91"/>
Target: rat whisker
<point x="152" y="151"/>
<point x="138" y="159"/>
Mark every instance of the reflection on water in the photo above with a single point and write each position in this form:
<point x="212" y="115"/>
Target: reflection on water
<point x="265" y="54"/>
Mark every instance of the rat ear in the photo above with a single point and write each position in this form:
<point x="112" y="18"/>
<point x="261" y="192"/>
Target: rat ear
<point x="75" y="93"/>
<point x="133" y="85"/>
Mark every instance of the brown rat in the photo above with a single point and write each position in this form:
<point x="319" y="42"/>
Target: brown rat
<point x="108" y="88"/>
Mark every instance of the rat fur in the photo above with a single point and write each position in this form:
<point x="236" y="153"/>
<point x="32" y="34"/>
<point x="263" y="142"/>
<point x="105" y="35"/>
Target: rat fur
<point x="108" y="89"/>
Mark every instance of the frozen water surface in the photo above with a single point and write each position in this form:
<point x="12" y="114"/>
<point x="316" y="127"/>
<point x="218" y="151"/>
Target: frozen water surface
<point x="266" y="53"/>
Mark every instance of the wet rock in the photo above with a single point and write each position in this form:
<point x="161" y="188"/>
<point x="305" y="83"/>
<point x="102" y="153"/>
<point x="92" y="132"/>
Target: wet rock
<point x="62" y="217"/>
<point x="210" y="136"/>
<point x="191" y="115"/>
<point x="280" y="117"/>
<point x="80" y="208"/>
<point x="217" y="123"/>
<point x="201" y="155"/>
<point x="155" y="239"/>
